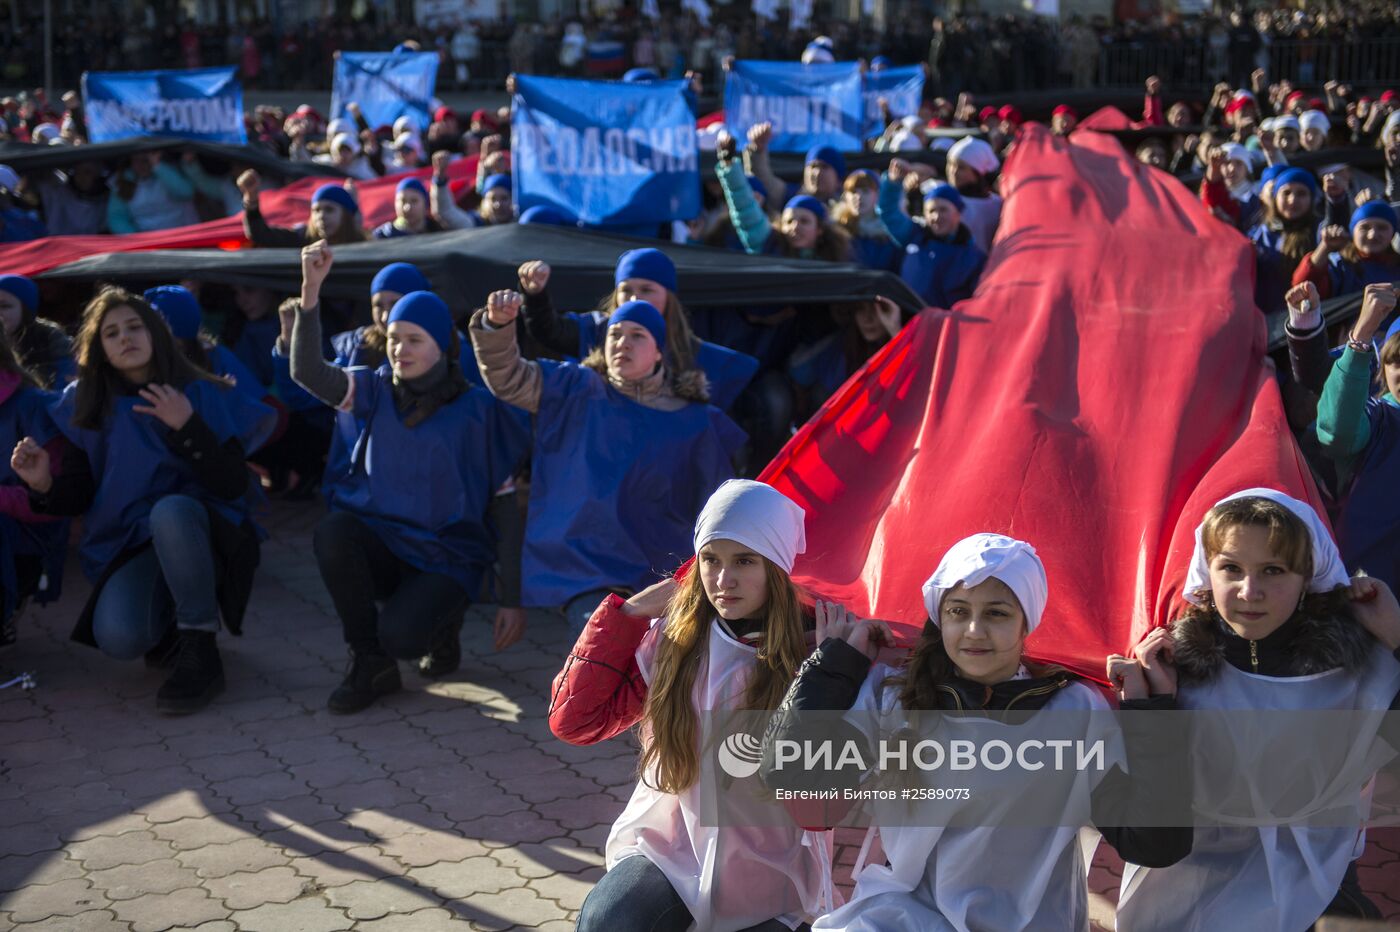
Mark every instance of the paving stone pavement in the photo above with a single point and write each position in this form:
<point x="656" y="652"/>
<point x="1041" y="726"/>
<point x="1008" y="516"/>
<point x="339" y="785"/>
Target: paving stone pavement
<point x="448" y="806"/>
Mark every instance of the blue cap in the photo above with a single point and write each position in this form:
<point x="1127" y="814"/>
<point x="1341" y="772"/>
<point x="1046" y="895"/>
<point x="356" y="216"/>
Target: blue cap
<point x="807" y="202"/>
<point x="179" y="307"/>
<point x="1392" y="332"/>
<point x="493" y="182"/>
<point x="401" y="278"/>
<point x="756" y="186"/>
<point x="547" y="216"/>
<point x="946" y="192"/>
<point x="336" y="195"/>
<point x="1295" y="176"/>
<point x="640" y="76"/>
<point x="640" y="312"/>
<point x="650" y="264"/>
<point x="880" y="61"/>
<point x="1373" y="210"/>
<point x="829" y="155"/>
<point x="22" y="288"/>
<point x="1272" y="172"/>
<point x="428" y="311"/>
<point x="412" y="184"/>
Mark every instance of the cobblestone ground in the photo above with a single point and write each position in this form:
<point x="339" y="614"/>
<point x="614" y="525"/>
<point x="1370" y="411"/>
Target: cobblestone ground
<point x="448" y="806"/>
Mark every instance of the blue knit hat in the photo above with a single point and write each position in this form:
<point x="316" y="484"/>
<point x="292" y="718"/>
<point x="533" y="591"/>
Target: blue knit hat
<point x="640" y="312"/>
<point x="640" y="76"/>
<point x="1374" y="210"/>
<point x="946" y="192"/>
<point x="807" y="202"/>
<point x="22" y="288"/>
<point x="651" y="264"/>
<point x="1393" y="331"/>
<point x="493" y="182"/>
<point x="400" y="278"/>
<point x="179" y="307"/>
<point x="336" y="195"/>
<point x="1272" y="172"/>
<point x="828" y="155"/>
<point x="428" y="311"/>
<point x="1295" y="176"/>
<point x="547" y="216"/>
<point x="880" y="61"/>
<point x="412" y="184"/>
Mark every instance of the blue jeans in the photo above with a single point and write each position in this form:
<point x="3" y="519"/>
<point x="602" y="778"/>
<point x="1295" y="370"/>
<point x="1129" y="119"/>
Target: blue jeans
<point x="172" y="580"/>
<point x="581" y="608"/>
<point x="635" y="896"/>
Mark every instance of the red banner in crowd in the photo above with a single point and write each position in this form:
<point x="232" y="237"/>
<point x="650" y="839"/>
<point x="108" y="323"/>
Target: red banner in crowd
<point x="285" y="207"/>
<point x="1105" y="385"/>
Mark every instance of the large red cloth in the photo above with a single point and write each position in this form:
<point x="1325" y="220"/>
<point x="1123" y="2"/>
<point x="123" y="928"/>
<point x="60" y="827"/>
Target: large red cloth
<point x="285" y="207"/>
<point x="1104" y="386"/>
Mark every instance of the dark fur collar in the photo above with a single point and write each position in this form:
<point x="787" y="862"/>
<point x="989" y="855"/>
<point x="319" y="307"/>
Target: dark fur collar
<point x="1316" y="644"/>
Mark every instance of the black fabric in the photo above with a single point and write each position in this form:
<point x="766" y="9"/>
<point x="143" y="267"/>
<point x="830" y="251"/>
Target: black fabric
<point x="467" y="265"/>
<point x="27" y="157"/>
<point x="220" y="468"/>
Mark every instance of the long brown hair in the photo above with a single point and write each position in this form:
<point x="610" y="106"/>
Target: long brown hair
<point x="99" y="383"/>
<point x="1299" y="236"/>
<point x="1390" y="353"/>
<point x="833" y="244"/>
<point x="348" y="232"/>
<point x="669" y="719"/>
<point x="680" y="338"/>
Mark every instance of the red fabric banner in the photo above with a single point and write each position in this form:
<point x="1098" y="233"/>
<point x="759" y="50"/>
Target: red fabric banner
<point x="1105" y="385"/>
<point x="284" y="207"/>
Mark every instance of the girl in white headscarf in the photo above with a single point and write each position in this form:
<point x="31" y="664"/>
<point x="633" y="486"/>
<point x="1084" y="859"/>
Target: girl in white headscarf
<point x="1274" y="624"/>
<point x="727" y="635"/>
<point x="988" y="593"/>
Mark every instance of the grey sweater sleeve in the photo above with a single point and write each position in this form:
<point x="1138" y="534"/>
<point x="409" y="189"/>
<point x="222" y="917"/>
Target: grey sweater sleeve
<point x="327" y="382"/>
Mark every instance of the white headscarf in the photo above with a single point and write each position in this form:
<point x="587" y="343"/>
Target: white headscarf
<point x="756" y="515"/>
<point x="973" y="560"/>
<point x="1328" y="570"/>
<point x="1392" y="124"/>
<point x="345" y="139"/>
<point x="976" y="154"/>
<point x="1287" y="121"/>
<point x="1315" y="119"/>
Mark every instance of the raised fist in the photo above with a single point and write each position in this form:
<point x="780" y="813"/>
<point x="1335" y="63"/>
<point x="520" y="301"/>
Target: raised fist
<point x="534" y="276"/>
<point x="502" y="307"/>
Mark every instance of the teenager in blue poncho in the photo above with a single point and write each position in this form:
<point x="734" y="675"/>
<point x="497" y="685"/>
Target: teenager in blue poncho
<point x="625" y="454"/>
<point x="40" y="345"/>
<point x="411" y="215"/>
<point x="1358" y="426"/>
<point x="32" y="545"/>
<point x="641" y="275"/>
<point x="1347" y="260"/>
<point x="941" y="263"/>
<point x="1285" y="236"/>
<point x="408" y="523"/>
<point x="157" y="471"/>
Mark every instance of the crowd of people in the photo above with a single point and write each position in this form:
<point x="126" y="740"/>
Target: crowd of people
<point x="552" y="451"/>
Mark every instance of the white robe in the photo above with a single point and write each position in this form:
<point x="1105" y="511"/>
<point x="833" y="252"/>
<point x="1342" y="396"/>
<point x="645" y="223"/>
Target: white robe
<point x="758" y="867"/>
<point x="1266" y="878"/>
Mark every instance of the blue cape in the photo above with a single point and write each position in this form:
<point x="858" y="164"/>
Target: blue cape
<point x="26" y="414"/>
<point x="134" y="467"/>
<point x="1368" y="532"/>
<point x="255" y="344"/>
<point x="615" y="486"/>
<point x="942" y="273"/>
<point x="426" y="490"/>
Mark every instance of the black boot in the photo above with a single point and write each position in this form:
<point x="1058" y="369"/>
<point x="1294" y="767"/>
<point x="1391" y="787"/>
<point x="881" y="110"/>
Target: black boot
<point x="446" y="654"/>
<point x="198" y="676"/>
<point x="370" y="676"/>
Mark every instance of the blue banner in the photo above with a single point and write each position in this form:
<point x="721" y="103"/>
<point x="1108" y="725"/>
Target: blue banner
<point x="808" y="105"/>
<point x="201" y="103"/>
<point x="605" y="152"/>
<point x="386" y="85"/>
<point x="902" y="88"/>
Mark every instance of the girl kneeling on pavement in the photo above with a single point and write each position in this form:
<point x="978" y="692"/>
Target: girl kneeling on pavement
<point x="987" y="595"/>
<point x="408" y="513"/>
<point x="1275" y="626"/>
<point x="625" y="454"/>
<point x="157" y="469"/>
<point x="728" y="635"/>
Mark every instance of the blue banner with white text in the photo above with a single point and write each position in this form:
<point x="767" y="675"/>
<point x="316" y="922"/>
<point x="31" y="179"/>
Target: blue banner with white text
<point x="808" y="105"/>
<point x="902" y="89"/>
<point x="386" y="85"/>
<point x="605" y="152"/>
<point x="199" y="103"/>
